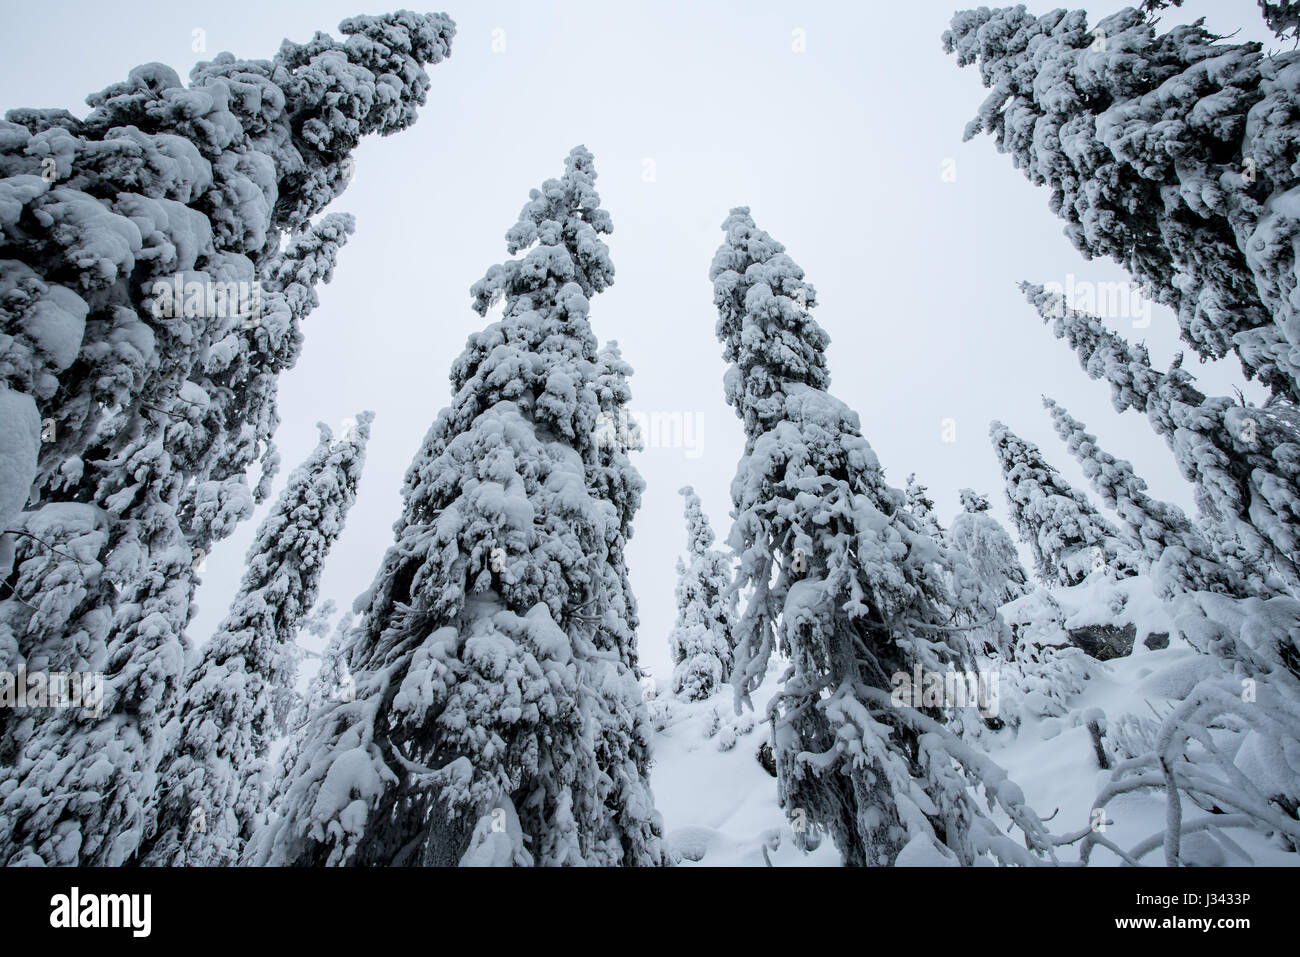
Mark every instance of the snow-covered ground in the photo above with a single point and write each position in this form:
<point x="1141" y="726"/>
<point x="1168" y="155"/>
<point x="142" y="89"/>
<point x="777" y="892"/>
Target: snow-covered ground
<point x="718" y="803"/>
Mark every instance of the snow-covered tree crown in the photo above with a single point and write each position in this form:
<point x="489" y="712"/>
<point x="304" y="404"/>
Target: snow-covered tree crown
<point x="980" y="537"/>
<point x="699" y="533"/>
<point x="701" y="638"/>
<point x="1102" y="353"/>
<point x="546" y="294"/>
<point x="918" y="497"/>
<point x="564" y="213"/>
<point x="764" y="323"/>
<point x="922" y="506"/>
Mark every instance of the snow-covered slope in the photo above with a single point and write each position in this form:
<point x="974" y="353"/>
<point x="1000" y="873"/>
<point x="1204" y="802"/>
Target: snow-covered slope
<point x="718" y="803"/>
<point x="720" y="807"/>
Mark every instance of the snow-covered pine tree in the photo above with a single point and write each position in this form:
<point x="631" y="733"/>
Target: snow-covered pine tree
<point x="617" y="481"/>
<point x="1177" y="555"/>
<point x="980" y="537"/>
<point x="993" y="636"/>
<point x="624" y="748"/>
<point x="922" y="506"/>
<point x="1243" y="461"/>
<point x="331" y="681"/>
<point x="613" y="477"/>
<point x="149" y="425"/>
<point x="491" y="684"/>
<point x="238" y="414"/>
<point x="210" y="784"/>
<point x="286" y="701"/>
<point x="701" y="639"/>
<point x="1067" y="537"/>
<point x="1170" y="153"/>
<point x="844" y="578"/>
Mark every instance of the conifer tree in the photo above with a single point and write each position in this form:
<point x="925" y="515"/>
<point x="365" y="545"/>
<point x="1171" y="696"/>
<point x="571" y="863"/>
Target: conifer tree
<point x="845" y="581"/>
<point x="494" y="664"/>
<point x="980" y="537"/>
<point x="1282" y="17"/>
<point x="286" y="702"/>
<point x="332" y="680"/>
<point x="922" y="506"/>
<point x="701" y="637"/>
<point x="625" y="729"/>
<point x="211" y="782"/>
<point x="1067" y="537"/>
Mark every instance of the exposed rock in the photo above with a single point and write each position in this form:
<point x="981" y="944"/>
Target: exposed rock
<point x="766" y="758"/>
<point x="1104" y="642"/>
<point x="1156" y="640"/>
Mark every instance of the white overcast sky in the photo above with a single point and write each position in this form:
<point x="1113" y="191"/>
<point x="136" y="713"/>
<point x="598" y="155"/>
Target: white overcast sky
<point x="839" y="150"/>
